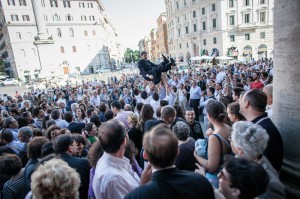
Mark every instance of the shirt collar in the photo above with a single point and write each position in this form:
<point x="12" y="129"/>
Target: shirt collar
<point x="154" y="170"/>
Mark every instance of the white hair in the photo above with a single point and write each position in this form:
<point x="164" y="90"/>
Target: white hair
<point x="251" y="138"/>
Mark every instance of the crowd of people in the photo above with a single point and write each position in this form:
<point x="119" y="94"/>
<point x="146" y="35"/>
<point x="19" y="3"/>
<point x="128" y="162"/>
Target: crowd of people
<point x="202" y="133"/>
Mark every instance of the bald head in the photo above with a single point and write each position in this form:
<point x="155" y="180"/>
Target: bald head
<point x="268" y="89"/>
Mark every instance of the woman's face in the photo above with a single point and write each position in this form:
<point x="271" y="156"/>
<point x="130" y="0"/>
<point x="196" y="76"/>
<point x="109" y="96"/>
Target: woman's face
<point x="79" y="112"/>
<point x="54" y="133"/>
<point x="230" y="115"/>
<point x="234" y="97"/>
<point x="94" y="130"/>
<point x="80" y="147"/>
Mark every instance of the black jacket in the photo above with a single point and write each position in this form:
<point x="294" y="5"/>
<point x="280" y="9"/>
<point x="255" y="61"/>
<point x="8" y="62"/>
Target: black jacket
<point x="274" y="150"/>
<point x="174" y="184"/>
<point x="82" y="166"/>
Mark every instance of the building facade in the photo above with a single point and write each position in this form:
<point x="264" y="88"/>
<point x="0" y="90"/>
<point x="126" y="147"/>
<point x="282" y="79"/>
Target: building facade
<point x="241" y="29"/>
<point x="49" y="38"/>
<point x="162" y="36"/>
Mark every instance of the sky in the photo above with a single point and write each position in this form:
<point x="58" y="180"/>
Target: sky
<point x="133" y="19"/>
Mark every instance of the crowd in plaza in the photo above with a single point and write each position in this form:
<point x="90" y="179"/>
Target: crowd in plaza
<point x="202" y="133"/>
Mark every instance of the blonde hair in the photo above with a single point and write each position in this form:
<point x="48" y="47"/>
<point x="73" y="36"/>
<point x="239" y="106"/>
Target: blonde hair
<point x="133" y="119"/>
<point x="55" y="179"/>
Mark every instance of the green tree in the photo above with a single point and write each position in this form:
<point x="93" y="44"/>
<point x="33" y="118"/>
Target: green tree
<point x="1" y="67"/>
<point x="131" y="55"/>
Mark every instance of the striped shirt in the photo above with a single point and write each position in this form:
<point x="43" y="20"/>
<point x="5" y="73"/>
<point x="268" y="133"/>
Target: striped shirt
<point x="14" y="189"/>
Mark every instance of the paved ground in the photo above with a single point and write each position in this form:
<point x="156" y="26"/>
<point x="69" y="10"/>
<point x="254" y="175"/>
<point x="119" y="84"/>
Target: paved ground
<point x="10" y="90"/>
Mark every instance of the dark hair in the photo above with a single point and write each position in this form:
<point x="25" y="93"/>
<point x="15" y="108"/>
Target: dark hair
<point x="55" y="114"/>
<point x="25" y="114"/>
<point x="234" y="108"/>
<point x="15" y="111"/>
<point x="158" y="112"/>
<point x="37" y="132"/>
<point x="168" y="111"/>
<point x="47" y="149"/>
<point x="7" y="135"/>
<point x="249" y="177"/>
<point x="89" y="126"/>
<point x="111" y="135"/>
<point x="144" y="95"/>
<point x="143" y="53"/>
<point x="34" y="149"/>
<point x="21" y="121"/>
<point x="237" y="91"/>
<point x="130" y="150"/>
<point x="62" y="143"/>
<point x="6" y="150"/>
<point x="135" y="91"/>
<point x="102" y="107"/>
<point x="147" y="113"/>
<point x="116" y="104"/>
<point x="179" y="111"/>
<point x="68" y="116"/>
<point x="36" y="111"/>
<point x="49" y="123"/>
<point x="82" y="111"/>
<point x="79" y="138"/>
<point x="212" y="90"/>
<point x="139" y="106"/>
<point x="257" y="99"/>
<point x="155" y="96"/>
<point x="109" y="114"/>
<point x="216" y="110"/>
<point x="163" y="103"/>
<point x="95" y="153"/>
<point x="10" y="164"/>
<point x="96" y="120"/>
<point x="89" y="111"/>
<point x="51" y="128"/>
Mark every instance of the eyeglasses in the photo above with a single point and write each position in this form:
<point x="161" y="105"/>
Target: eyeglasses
<point x="229" y="139"/>
<point x="224" y="178"/>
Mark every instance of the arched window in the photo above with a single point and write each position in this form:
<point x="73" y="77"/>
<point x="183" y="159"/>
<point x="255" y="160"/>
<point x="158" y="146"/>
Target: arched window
<point x="62" y="50"/>
<point x="33" y="51"/>
<point x="59" y="32"/>
<point x="23" y="53"/>
<point x="74" y="49"/>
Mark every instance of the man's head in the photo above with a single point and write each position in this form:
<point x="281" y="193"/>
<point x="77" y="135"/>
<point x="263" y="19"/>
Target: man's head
<point x="55" y="114"/>
<point x="6" y="137"/>
<point x="268" y="89"/>
<point x="242" y="179"/>
<point x="10" y="122"/>
<point x="190" y="115"/>
<point x="144" y="55"/>
<point x="160" y="146"/>
<point x="116" y="106"/>
<point x="38" y="112"/>
<point x="255" y="75"/>
<point x="112" y="136"/>
<point x="25" y="134"/>
<point x="253" y="102"/>
<point x="65" y="144"/>
<point x="210" y="91"/>
<point x="168" y="114"/>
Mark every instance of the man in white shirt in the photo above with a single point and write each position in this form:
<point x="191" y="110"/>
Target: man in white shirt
<point x="114" y="177"/>
<point x="95" y="99"/>
<point x="195" y="94"/>
<point x="268" y="89"/>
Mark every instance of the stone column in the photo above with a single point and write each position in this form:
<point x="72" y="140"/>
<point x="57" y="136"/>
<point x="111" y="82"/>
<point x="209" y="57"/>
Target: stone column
<point x="39" y="19"/>
<point x="286" y="95"/>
